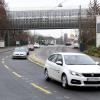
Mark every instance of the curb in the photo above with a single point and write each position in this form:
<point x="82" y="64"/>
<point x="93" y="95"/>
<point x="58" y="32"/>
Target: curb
<point x="34" y="59"/>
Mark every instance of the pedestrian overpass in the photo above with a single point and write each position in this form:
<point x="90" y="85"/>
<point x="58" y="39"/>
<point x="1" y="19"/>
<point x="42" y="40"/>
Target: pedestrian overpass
<point x="58" y="18"/>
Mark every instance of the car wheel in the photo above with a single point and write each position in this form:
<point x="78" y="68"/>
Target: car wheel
<point x="13" y="57"/>
<point x="64" y="81"/>
<point x="46" y="75"/>
<point x="27" y="53"/>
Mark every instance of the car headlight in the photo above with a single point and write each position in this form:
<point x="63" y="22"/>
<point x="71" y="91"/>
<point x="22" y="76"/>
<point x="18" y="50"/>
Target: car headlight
<point x="75" y="73"/>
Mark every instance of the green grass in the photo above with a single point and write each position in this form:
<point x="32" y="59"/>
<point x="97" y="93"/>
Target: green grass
<point x="93" y="51"/>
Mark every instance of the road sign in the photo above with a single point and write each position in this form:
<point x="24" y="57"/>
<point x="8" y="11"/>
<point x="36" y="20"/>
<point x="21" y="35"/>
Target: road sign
<point x="97" y="31"/>
<point x="17" y="42"/>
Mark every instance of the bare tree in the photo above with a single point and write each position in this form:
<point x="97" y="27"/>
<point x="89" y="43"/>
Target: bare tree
<point x="89" y="34"/>
<point x="3" y="19"/>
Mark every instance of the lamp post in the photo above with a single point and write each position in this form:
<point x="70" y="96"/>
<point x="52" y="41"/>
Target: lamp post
<point x="80" y="35"/>
<point x="34" y="36"/>
<point x="82" y="45"/>
<point x="8" y="38"/>
<point x="60" y="5"/>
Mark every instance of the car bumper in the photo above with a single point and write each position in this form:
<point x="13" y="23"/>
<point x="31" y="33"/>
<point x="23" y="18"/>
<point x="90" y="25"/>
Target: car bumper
<point x="84" y="81"/>
<point x="75" y="46"/>
<point x="31" y="49"/>
<point x="19" y="56"/>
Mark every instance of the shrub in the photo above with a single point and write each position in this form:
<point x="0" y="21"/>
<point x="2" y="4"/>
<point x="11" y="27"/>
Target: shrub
<point x="93" y="51"/>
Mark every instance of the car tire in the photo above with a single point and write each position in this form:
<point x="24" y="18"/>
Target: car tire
<point x="27" y="53"/>
<point x="13" y="57"/>
<point x="64" y="81"/>
<point x="46" y="75"/>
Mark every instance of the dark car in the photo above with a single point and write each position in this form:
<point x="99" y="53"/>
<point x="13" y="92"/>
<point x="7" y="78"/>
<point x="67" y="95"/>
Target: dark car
<point x="31" y="47"/>
<point x="68" y="43"/>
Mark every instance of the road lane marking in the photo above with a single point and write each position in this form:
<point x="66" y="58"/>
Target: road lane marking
<point x="66" y="97"/>
<point x="35" y="62"/>
<point x="3" y="62"/>
<point x="3" y="59"/>
<point x="33" y="84"/>
<point x="16" y="74"/>
<point x="40" y="88"/>
<point x="6" y="57"/>
<point x="6" y="66"/>
<point x="10" y="56"/>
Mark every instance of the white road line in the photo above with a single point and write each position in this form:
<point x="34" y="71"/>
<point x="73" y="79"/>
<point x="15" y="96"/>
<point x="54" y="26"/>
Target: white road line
<point x="6" y="66"/>
<point x="16" y="74"/>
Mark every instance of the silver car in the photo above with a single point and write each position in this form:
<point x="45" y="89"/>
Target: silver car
<point x="19" y="52"/>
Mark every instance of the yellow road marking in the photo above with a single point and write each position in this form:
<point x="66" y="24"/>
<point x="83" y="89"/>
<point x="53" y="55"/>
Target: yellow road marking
<point x="17" y="74"/>
<point x="6" y="66"/>
<point x="36" y="62"/>
<point x="40" y="88"/>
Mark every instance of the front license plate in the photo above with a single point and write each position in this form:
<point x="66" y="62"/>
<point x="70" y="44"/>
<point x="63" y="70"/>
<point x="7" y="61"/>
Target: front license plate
<point x="93" y="79"/>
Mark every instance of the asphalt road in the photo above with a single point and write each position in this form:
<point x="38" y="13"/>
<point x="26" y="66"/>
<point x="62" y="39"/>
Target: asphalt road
<point x="45" y="51"/>
<point x="21" y="79"/>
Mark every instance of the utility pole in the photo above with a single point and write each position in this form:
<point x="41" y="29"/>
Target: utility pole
<point x="80" y="22"/>
<point x="8" y="37"/>
<point x="82" y="46"/>
<point x="61" y="18"/>
<point x="34" y="36"/>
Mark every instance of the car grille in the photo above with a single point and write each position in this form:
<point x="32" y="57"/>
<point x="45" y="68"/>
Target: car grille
<point x="91" y="82"/>
<point x="21" y="54"/>
<point x="91" y="75"/>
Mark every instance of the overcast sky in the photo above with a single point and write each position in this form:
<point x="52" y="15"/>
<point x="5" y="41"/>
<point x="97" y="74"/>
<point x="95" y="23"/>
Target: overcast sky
<point x="52" y="4"/>
<point x="56" y="33"/>
<point x="47" y="3"/>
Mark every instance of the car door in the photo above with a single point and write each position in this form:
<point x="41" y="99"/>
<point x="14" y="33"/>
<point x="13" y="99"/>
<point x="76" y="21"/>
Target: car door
<point x="58" y="67"/>
<point x="51" y="65"/>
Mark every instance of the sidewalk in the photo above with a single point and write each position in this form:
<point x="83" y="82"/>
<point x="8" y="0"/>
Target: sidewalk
<point x="6" y="49"/>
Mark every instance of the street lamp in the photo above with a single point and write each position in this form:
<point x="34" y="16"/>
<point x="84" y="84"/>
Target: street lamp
<point x="60" y="5"/>
<point x="34" y="36"/>
<point x="82" y="45"/>
<point x="80" y="35"/>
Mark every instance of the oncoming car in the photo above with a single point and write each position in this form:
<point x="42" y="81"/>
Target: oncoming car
<point x="26" y="49"/>
<point x="36" y="45"/>
<point x="72" y="69"/>
<point x="30" y="47"/>
<point x="19" y="52"/>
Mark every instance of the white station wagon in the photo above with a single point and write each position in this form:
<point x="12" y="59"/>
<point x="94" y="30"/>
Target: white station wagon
<point x="72" y="69"/>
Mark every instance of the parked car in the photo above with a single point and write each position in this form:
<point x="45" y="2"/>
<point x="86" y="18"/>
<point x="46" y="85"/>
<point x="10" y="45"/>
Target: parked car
<point x="72" y="69"/>
<point x="31" y="47"/>
<point x="19" y="52"/>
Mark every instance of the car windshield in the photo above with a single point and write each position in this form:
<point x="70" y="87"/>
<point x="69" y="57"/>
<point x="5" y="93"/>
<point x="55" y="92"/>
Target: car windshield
<point x="19" y="50"/>
<point x="75" y="41"/>
<point x="78" y="60"/>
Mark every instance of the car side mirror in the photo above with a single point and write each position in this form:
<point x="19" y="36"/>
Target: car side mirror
<point x="59" y="63"/>
<point x="97" y="63"/>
